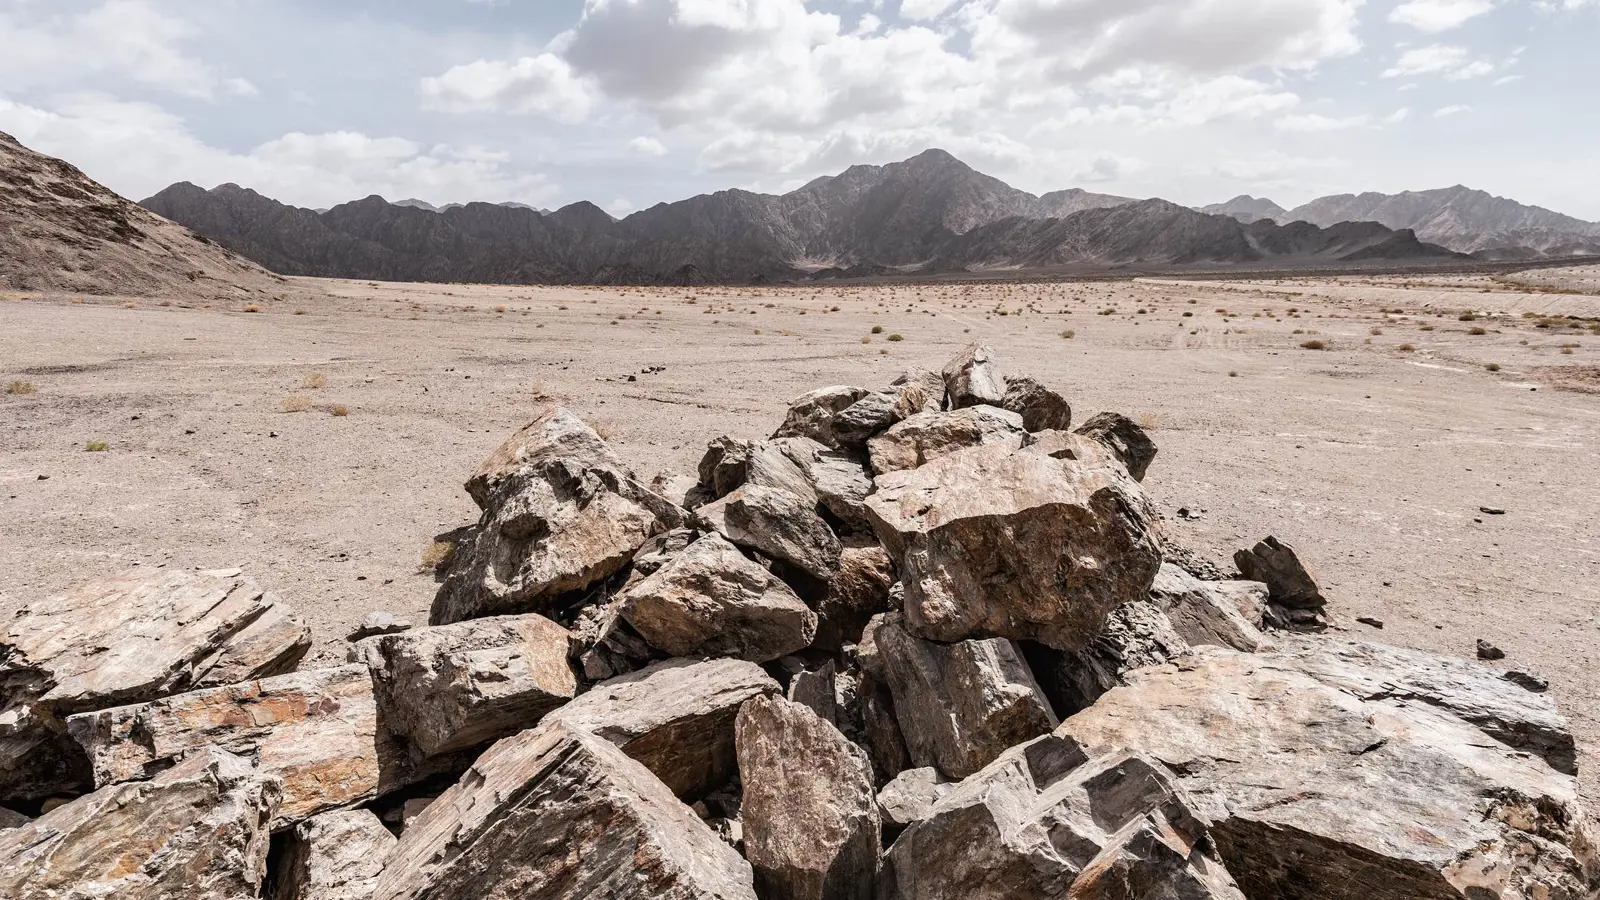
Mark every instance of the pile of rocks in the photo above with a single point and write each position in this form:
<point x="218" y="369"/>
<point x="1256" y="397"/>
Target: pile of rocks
<point x="924" y="642"/>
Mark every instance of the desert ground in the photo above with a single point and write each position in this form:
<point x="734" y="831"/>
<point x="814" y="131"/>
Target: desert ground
<point x="320" y="439"/>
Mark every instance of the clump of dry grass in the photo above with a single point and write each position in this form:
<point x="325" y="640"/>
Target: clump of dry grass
<point x="896" y="338"/>
<point x="866" y="340"/>
<point x="316" y="381"/>
<point x="20" y="387"/>
<point x="1069" y="334"/>
<point x="1314" y="345"/>
<point x="501" y="308"/>
<point x="339" y="409"/>
<point x="299" y="312"/>
<point x="96" y="446"/>
<point x="1476" y="331"/>
<point x="296" y="403"/>
<point x="877" y="329"/>
<point x="1405" y="348"/>
<point x="436" y="556"/>
<point x="1149" y="422"/>
<point x="252" y="308"/>
<point x="1493" y="367"/>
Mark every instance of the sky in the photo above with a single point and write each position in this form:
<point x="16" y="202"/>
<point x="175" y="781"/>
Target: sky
<point x="628" y="103"/>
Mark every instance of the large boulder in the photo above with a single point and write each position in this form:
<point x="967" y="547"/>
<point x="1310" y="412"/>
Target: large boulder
<point x="556" y="813"/>
<point x="316" y="731"/>
<point x="451" y="687"/>
<point x="1294" y="599"/>
<point x="675" y="717"/>
<point x="1339" y="771"/>
<point x="974" y="378"/>
<point x="730" y="464"/>
<point x="1125" y="438"/>
<point x="712" y="600"/>
<point x="856" y="593"/>
<point x="928" y="436"/>
<point x="910" y="797"/>
<point x="560" y="513"/>
<point x="198" y="831"/>
<point x="335" y="856"/>
<point x="1041" y="409"/>
<point x="125" y="639"/>
<point x="993" y="542"/>
<point x="809" y="812"/>
<point x="839" y="478"/>
<point x="1046" y="821"/>
<point x="1204" y="612"/>
<point x="779" y="525"/>
<point x="961" y="705"/>
<point x="812" y="415"/>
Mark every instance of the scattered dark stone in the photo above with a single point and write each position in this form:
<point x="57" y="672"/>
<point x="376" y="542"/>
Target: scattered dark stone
<point x="1488" y="651"/>
<point x="1491" y="510"/>
<point x="1368" y="620"/>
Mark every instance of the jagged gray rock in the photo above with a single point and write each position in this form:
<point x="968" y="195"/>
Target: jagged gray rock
<point x="778" y="524"/>
<point x="316" y="731"/>
<point x="856" y="593"/>
<point x="839" y="478"/>
<point x="1044" y="820"/>
<point x="560" y="513"/>
<point x="817" y="690"/>
<point x="810" y="817"/>
<point x="450" y="687"/>
<point x="675" y="717"/>
<point x="960" y="705"/>
<point x="730" y="464"/>
<point x="556" y="813"/>
<point x="377" y="623"/>
<point x="812" y="414"/>
<point x="196" y="831"/>
<point x="974" y="378"/>
<point x="1125" y="438"/>
<point x="929" y="436"/>
<point x="1203" y="612"/>
<point x="334" y="856"/>
<point x="1275" y="564"/>
<point x="993" y="542"/>
<point x="1345" y="771"/>
<point x="712" y="600"/>
<point x="1136" y="634"/>
<point x="910" y="797"/>
<point x="125" y="639"/>
<point x="1041" y="409"/>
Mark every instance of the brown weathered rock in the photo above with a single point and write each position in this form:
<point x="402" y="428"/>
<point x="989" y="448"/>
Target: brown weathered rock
<point x="335" y="856"/>
<point x="910" y="797"/>
<point x="125" y="639"/>
<point x="856" y="593"/>
<point x="556" y="813"/>
<point x="919" y="391"/>
<point x="1041" y="409"/>
<point x="1046" y="821"/>
<point x="817" y="690"/>
<point x="998" y="543"/>
<point x="10" y="818"/>
<point x="974" y="378"/>
<point x="374" y="624"/>
<point x="1136" y="634"/>
<point x="675" y="717"/>
<point x="608" y="644"/>
<point x="712" y="600"/>
<point x="1276" y="565"/>
<point x="929" y="436"/>
<point x="839" y="479"/>
<point x="1341" y="771"/>
<point x="810" y="817"/>
<point x="317" y="731"/>
<point x="812" y="414"/>
<point x="196" y="831"/>
<point x="874" y="709"/>
<point x="961" y="705"/>
<point x="778" y="524"/>
<point x="451" y="687"/>
<point x="560" y="513"/>
<point x="730" y="464"/>
<point x="1124" y="438"/>
<point x="1204" y="612"/>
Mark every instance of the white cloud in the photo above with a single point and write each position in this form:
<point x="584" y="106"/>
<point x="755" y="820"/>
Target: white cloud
<point x="129" y="38"/>
<point x="532" y="84"/>
<point x="1446" y="111"/>
<point x="1398" y="116"/>
<point x="1312" y="122"/>
<point x="1439" y="15"/>
<point x="134" y="146"/>
<point x="646" y="146"/>
<point x="1427" y="60"/>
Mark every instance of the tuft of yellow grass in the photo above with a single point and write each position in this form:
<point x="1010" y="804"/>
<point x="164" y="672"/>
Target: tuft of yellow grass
<point x="252" y="308"/>
<point x="20" y="387"/>
<point x="1314" y="345"/>
<point x="96" y="446"/>
<point x="436" y="556"/>
<point x="316" y="381"/>
<point x="296" y="403"/>
<point x="339" y="409"/>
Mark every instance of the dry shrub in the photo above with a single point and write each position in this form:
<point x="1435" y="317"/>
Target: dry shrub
<point x="1069" y="334"/>
<point x="1405" y="348"/>
<point x="1493" y="367"/>
<point x="339" y="409"/>
<point x="296" y="403"/>
<point x="20" y="387"/>
<point x="96" y="446"/>
<point x="436" y="556"/>
<point x="1476" y="331"/>
<point x="252" y="308"/>
<point x="1314" y="345"/>
<point x="500" y="309"/>
<point x="1149" y="422"/>
<point x="316" y="381"/>
<point x="896" y="338"/>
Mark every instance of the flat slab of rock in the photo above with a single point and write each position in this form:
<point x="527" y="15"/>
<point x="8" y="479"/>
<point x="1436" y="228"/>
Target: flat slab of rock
<point x="730" y="464"/>
<point x="1203" y="612"/>
<point x="712" y="600"/>
<point x="961" y="705"/>
<point x="810" y="817"/>
<point x="1125" y="438"/>
<point x="451" y="687"/>
<point x="196" y="831"/>
<point x="316" y="731"/>
<point x="911" y="797"/>
<point x="556" y="813"/>
<point x="1046" y="821"/>
<point x="993" y="542"/>
<point x="561" y="512"/>
<point x="974" y="378"/>
<point x="675" y="717"/>
<point x="126" y="639"/>
<point x="928" y="436"/>
<point x="1344" y="773"/>
<point x="779" y="525"/>
<point x="839" y="478"/>
<point x="335" y="856"/>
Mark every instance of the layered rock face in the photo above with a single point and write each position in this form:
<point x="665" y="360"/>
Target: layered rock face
<point x="987" y="672"/>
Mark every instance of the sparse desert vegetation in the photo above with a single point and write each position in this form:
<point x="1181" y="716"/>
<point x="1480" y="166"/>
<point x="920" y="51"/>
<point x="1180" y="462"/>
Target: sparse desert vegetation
<point x="18" y="387"/>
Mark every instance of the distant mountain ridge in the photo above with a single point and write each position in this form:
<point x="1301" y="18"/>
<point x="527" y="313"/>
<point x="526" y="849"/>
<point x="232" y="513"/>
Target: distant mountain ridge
<point x="929" y="213"/>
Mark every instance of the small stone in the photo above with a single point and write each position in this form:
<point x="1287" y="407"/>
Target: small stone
<point x="376" y="623"/>
<point x="1491" y="510"/>
<point x="1530" y="681"/>
<point x="1370" y="621"/>
<point x="1488" y="651"/>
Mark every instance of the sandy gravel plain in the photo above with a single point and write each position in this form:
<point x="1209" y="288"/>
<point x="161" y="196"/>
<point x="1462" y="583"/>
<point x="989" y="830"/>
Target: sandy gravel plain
<point x="1373" y="456"/>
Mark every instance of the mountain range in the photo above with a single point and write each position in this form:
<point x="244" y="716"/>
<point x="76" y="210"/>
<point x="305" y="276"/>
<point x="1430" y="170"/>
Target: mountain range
<point x="928" y="214"/>
<point x="1460" y="218"/>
